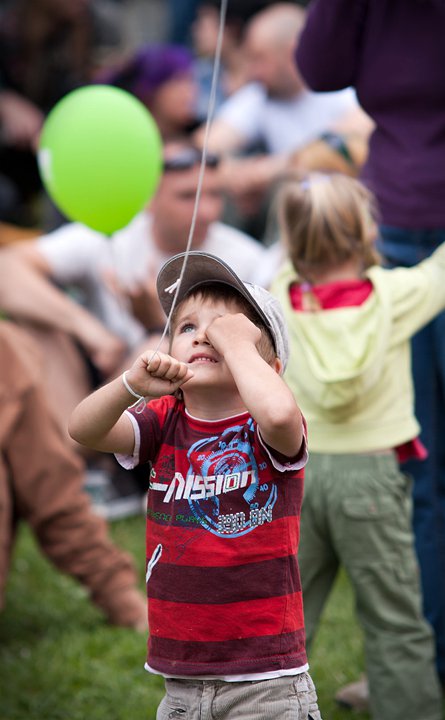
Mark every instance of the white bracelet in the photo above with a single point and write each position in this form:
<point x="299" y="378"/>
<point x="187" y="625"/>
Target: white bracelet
<point x="129" y="388"/>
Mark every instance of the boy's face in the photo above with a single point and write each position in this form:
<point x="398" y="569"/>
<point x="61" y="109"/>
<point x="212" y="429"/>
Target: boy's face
<point x="190" y="343"/>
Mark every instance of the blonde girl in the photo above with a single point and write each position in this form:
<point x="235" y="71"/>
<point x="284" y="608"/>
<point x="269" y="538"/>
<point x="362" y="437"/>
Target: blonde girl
<point x="350" y="322"/>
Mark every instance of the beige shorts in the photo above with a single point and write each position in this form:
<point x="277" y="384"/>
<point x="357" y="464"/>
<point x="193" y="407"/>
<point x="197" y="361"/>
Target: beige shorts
<point x="285" y="698"/>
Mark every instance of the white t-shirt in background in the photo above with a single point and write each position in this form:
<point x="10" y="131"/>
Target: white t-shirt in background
<point x="284" y="125"/>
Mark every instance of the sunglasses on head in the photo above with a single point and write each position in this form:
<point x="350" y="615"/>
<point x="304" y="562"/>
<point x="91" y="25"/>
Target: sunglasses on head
<point x="188" y="158"/>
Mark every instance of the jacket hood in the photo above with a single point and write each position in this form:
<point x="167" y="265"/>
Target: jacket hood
<point x="337" y="355"/>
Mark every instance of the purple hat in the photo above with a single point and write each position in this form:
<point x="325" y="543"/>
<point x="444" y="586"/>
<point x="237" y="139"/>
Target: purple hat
<point x="149" y="68"/>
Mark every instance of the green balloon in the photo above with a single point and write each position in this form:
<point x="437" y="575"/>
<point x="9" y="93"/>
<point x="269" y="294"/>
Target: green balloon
<point x="100" y="156"/>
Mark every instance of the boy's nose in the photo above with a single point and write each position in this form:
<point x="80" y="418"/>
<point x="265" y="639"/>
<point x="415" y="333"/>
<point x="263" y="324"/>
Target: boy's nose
<point x="200" y="338"/>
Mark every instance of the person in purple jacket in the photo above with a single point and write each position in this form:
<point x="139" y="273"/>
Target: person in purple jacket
<point x="393" y="53"/>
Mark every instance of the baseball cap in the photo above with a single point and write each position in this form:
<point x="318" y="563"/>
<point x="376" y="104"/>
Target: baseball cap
<point x="203" y="268"/>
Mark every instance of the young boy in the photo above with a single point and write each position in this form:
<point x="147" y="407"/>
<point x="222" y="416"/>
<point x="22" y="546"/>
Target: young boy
<point x="226" y="443"/>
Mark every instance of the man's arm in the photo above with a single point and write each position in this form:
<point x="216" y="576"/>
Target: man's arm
<point x="27" y="295"/>
<point x="354" y="122"/>
<point x="223" y="138"/>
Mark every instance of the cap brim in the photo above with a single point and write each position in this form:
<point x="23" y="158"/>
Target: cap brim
<point x="201" y="268"/>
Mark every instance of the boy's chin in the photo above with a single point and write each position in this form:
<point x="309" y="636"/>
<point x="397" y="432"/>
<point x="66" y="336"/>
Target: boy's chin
<point x="206" y="372"/>
<point x="207" y="381"/>
<point x="197" y="383"/>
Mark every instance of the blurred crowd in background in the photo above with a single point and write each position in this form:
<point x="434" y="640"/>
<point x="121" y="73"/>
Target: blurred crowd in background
<point x="162" y="52"/>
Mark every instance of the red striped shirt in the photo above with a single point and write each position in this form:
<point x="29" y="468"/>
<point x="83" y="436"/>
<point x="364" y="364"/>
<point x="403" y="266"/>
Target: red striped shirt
<point x="225" y="595"/>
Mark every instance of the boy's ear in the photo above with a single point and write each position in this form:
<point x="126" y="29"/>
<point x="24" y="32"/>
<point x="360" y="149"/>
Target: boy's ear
<point x="277" y="366"/>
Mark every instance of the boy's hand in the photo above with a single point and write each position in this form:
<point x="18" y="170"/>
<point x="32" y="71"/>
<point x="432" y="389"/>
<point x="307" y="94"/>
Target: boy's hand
<point x="231" y="330"/>
<point x="155" y="374"/>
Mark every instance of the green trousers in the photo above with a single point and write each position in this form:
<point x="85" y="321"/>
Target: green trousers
<point x="357" y="513"/>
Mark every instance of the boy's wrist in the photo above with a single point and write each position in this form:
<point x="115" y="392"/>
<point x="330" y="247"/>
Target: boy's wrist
<point x="139" y="402"/>
<point x="128" y="387"/>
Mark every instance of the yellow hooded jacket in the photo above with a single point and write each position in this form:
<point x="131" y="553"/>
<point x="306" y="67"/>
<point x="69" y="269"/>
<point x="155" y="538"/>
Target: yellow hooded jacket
<point x="350" y="367"/>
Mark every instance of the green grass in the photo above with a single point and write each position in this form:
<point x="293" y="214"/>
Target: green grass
<point x="59" y="660"/>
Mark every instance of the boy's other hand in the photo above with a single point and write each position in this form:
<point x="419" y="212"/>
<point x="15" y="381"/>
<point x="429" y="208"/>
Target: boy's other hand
<point x="232" y="330"/>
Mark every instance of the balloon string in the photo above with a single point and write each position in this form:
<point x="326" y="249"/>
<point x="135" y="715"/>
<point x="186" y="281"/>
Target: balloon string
<point x="210" y="113"/>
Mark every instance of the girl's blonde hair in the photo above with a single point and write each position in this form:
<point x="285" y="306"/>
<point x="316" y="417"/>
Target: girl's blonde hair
<point x="326" y="220"/>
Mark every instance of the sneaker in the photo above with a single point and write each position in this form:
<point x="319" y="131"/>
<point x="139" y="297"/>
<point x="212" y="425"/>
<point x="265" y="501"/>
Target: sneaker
<point x="354" y="696"/>
<point x="113" y="495"/>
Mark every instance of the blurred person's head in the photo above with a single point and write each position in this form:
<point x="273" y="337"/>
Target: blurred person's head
<point x="174" y="201"/>
<point x="161" y="77"/>
<point x="206" y="24"/>
<point x="270" y="40"/>
<point x="205" y="30"/>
